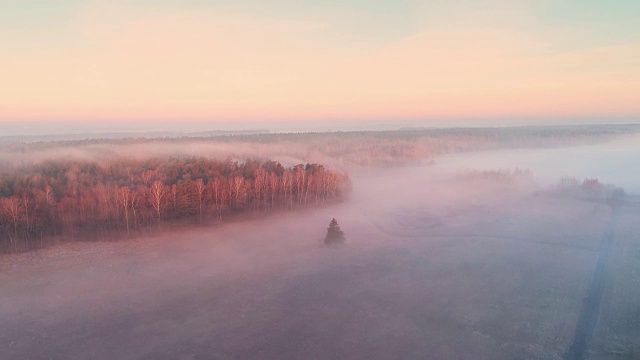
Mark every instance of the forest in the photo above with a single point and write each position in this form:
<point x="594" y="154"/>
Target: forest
<point x="340" y="149"/>
<point x="60" y="200"/>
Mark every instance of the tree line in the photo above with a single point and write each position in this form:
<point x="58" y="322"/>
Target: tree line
<point x="60" y="200"/>
<point x="366" y="148"/>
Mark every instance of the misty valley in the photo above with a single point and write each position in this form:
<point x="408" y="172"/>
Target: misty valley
<point x="502" y="243"/>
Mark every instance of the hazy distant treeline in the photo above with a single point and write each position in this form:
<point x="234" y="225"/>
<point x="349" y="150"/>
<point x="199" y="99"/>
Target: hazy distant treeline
<point x="337" y="148"/>
<point x="590" y="189"/>
<point x="90" y="199"/>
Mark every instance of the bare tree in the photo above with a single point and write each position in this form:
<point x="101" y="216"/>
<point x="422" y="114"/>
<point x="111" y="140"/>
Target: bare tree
<point x="174" y="197"/>
<point x="287" y="188"/>
<point x="158" y="192"/>
<point x="236" y="186"/>
<point x="12" y="207"/>
<point x="48" y="194"/>
<point x="307" y="185"/>
<point x="300" y="177"/>
<point x="102" y="196"/>
<point x="135" y="204"/>
<point x="147" y="176"/>
<point x="26" y="206"/>
<point x="124" y="198"/>
<point x="259" y="184"/>
<point x="274" y="182"/>
<point x="218" y="193"/>
<point x="200" y="188"/>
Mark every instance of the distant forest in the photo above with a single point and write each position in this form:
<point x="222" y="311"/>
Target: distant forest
<point x="61" y="200"/>
<point x="97" y="188"/>
<point x="339" y="149"/>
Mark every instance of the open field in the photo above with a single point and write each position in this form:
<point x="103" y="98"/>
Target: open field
<point x="617" y="333"/>
<point x="434" y="267"/>
<point x="319" y="180"/>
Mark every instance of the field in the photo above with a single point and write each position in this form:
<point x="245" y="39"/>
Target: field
<point x="319" y="180"/>
<point x="617" y="335"/>
<point x="442" y="266"/>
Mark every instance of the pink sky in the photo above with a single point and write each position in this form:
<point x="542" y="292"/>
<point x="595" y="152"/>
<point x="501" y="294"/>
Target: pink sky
<point x="111" y="61"/>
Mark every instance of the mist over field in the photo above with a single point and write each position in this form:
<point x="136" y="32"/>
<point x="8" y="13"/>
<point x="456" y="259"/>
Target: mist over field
<point x="274" y="180"/>
<point x="482" y="251"/>
<point x="337" y="149"/>
<point x="614" y="162"/>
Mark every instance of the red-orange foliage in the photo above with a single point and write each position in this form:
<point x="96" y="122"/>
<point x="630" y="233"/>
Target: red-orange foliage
<point x="91" y="200"/>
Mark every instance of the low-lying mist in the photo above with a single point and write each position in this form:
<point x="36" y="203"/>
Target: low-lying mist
<point x="341" y="150"/>
<point x="615" y="162"/>
<point x="465" y="257"/>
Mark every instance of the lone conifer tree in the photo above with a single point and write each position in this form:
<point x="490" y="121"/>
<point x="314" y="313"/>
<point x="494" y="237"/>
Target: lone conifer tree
<point x="334" y="234"/>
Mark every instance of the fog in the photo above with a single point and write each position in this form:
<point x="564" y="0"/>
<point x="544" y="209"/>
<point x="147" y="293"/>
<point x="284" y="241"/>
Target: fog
<point x="616" y="162"/>
<point x="288" y="154"/>
<point x="61" y="129"/>
<point x="93" y="129"/>
<point x="339" y="150"/>
<point x="441" y="261"/>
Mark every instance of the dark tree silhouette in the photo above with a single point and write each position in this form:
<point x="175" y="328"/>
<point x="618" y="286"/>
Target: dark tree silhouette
<point x="334" y="236"/>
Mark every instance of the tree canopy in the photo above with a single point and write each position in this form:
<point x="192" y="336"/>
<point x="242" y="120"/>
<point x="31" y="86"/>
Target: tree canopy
<point x="96" y="200"/>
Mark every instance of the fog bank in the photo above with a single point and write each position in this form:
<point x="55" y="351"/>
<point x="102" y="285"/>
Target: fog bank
<point x="437" y="264"/>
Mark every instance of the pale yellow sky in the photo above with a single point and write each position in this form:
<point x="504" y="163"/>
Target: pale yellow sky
<point x="106" y="60"/>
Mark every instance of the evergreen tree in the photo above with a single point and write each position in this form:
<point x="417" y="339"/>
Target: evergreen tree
<point x="334" y="234"/>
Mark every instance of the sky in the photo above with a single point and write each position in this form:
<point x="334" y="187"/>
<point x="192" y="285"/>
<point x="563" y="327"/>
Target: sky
<point x="153" y="61"/>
